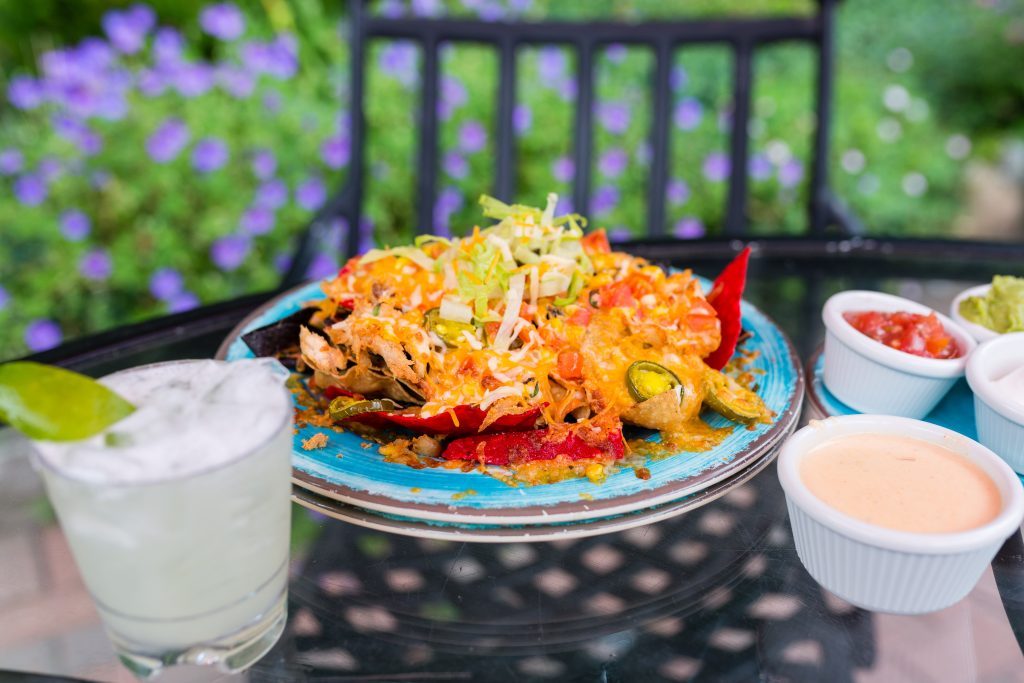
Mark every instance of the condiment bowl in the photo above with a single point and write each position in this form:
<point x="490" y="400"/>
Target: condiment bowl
<point x="1000" y="422"/>
<point x="871" y="377"/>
<point x="979" y="332"/>
<point x="882" y="569"/>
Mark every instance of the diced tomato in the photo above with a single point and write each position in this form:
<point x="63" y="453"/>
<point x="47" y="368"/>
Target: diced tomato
<point x="913" y="333"/>
<point x="617" y="294"/>
<point x="537" y="444"/>
<point x="570" y="365"/>
<point x="596" y="243"/>
<point x="581" y="316"/>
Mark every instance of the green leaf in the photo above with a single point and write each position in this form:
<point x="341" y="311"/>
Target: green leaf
<point x="53" y="404"/>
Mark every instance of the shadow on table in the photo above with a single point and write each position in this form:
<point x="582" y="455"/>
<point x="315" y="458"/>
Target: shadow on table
<point x="714" y="595"/>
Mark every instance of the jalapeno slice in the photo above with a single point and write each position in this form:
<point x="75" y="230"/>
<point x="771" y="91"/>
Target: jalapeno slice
<point x="345" y="407"/>
<point x="646" y="379"/>
<point x="730" y="399"/>
<point x="449" y="331"/>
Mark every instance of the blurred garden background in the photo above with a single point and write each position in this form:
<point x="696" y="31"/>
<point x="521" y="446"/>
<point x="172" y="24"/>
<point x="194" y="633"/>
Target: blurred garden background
<point x="154" y="157"/>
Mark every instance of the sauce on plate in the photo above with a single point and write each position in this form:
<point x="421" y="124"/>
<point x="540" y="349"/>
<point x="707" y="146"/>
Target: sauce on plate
<point x="913" y="333"/>
<point x="901" y="483"/>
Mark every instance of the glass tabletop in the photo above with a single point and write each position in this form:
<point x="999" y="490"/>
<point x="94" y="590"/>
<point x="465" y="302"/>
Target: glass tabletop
<point x="717" y="594"/>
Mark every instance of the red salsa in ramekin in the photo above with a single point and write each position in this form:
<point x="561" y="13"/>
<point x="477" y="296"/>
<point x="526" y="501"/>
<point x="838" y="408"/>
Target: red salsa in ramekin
<point x="913" y="333"/>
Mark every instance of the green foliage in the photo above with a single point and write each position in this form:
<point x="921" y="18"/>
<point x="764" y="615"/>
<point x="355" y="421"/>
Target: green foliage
<point x="919" y="86"/>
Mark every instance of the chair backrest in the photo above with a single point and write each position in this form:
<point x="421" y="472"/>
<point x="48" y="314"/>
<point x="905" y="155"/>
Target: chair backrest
<point x="742" y="35"/>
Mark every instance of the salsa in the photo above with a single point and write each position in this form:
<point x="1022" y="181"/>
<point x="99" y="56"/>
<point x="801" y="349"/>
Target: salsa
<point x="913" y="333"/>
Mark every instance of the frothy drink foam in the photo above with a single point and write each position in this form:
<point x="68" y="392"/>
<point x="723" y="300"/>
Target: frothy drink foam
<point x="189" y="417"/>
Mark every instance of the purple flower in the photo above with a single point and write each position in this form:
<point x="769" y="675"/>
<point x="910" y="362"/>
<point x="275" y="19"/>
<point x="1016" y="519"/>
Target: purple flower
<point x="5" y="298"/>
<point x="450" y="199"/>
<point x="490" y="10"/>
<point x="427" y="8"/>
<point x="335" y="151"/>
<point x="94" y="54"/>
<point x="166" y="283"/>
<point x="472" y="136"/>
<point x="193" y="80"/>
<point x="11" y="161"/>
<point x="311" y="194"/>
<point x="563" y="169"/>
<point x="42" y="335"/>
<point x="678" y="78"/>
<point x="151" y="82"/>
<point x="181" y="302"/>
<point x="96" y="265"/>
<point x="24" y="92"/>
<point x="688" y="113"/>
<point x="616" y="53"/>
<point x="619" y="234"/>
<point x="75" y="225"/>
<point x="455" y="165"/>
<point x="264" y="163"/>
<point x="453" y="96"/>
<point x="716" y="167"/>
<point x="222" y="20"/>
<point x="613" y="116"/>
<point x="278" y="58"/>
<point x="604" y="200"/>
<point x="613" y="162"/>
<point x="322" y="265"/>
<point x="228" y="253"/>
<point x="167" y="141"/>
<point x="398" y="60"/>
<point x="209" y="155"/>
<point x="689" y="228"/>
<point x="282" y="262"/>
<point x="235" y="81"/>
<point x="168" y="44"/>
<point x="791" y="173"/>
<point x="564" y="206"/>
<point x="677" y="191"/>
<point x="99" y="178"/>
<point x="522" y="118"/>
<point x="759" y="167"/>
<point x="30" y="189"/>
<point x="127" y="29"/>
<point x="272" y="194"/>
<point x="391" y="9"/>
<point x="257" y="220"/>
<point x="520" y="6"/>
<point x="551" y="64"/>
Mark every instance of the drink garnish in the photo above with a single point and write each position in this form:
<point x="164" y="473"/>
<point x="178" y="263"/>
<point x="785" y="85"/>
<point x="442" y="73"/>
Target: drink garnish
<point x="53" y="404"/>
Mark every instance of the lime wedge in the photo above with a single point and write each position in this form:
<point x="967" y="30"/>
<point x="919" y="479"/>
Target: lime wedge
<point x="53" y="404"/>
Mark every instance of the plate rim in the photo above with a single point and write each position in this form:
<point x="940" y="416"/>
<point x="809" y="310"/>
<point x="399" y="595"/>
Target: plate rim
<point x="539" y="533"/>
<point x="581" y="510"/>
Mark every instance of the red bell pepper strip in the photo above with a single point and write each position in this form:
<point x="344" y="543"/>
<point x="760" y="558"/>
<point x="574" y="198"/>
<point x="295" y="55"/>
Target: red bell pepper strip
<point x="725" y="297"/>
<point x="512" y="448"/>
<point x="469" y="420"/>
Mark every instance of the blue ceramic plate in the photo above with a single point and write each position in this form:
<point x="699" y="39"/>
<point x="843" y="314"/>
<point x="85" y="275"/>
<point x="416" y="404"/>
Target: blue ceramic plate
<point x="352" y="471"/>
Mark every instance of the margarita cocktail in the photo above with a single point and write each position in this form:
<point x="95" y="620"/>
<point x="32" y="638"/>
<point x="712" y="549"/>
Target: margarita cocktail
<point x="178" y="515"/>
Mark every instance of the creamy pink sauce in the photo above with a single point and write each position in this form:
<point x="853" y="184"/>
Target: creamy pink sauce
<point x="901" y="483"/>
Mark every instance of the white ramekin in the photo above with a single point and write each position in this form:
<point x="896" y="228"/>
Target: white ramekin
<point x="979" y="332"/>
<point x="869" y="376"/>
<point x="882" y="569"/>
<point x="1000" y="423"/>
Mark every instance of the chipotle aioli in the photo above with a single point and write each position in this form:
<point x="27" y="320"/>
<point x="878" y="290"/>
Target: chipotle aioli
<point x="901" y="483"/>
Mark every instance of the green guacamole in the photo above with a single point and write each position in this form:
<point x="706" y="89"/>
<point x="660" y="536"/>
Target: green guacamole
<point x="1001" y="309"/>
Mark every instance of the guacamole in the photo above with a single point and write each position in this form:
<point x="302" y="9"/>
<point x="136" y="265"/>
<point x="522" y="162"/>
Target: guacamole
<point x="1001" y="309"/>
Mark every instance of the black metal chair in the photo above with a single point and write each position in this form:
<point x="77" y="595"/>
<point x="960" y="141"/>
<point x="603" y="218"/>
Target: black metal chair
<point x="743" y="36"/>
